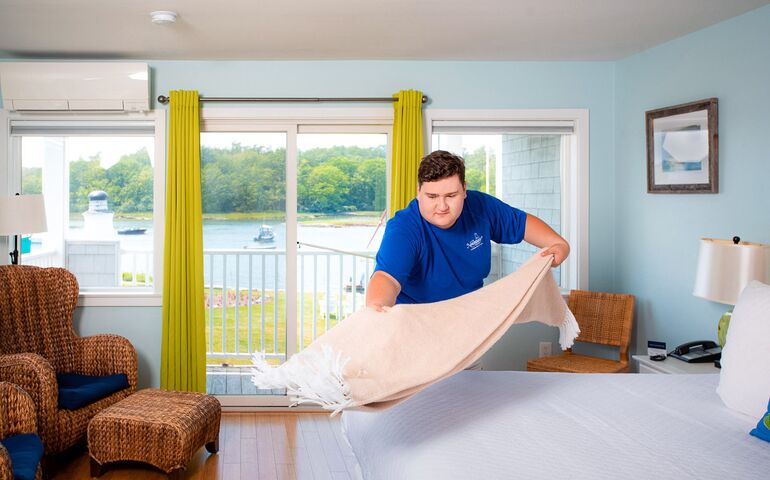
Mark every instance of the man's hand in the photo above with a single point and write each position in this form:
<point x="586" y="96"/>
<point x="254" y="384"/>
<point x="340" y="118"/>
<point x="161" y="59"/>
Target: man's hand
<point x="560" y="251"/>
<point x="539" y="234"/>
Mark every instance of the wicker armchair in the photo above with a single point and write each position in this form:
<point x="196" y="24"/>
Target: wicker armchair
<point x="37" y="342"/>
<point x="605" y="319"/>
<point x="17" y="416"/>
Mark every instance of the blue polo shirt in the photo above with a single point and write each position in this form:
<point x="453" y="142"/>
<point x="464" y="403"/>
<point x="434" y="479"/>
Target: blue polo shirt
<point x="434" y="264"/>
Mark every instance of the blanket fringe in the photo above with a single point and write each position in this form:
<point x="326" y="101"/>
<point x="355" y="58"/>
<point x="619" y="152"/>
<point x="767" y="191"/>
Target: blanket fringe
<point x="568" y="330"/>
<point x="312" y="376"/>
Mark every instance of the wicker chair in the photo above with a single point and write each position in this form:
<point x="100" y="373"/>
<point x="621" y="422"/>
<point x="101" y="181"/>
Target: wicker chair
<point x="604" y="318"/>
<point x="37" y="342"/>
<point x="17" y="416"/>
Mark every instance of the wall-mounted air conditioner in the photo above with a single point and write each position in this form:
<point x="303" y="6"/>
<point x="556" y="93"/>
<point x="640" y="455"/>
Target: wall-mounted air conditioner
<point x="75" y="86"/>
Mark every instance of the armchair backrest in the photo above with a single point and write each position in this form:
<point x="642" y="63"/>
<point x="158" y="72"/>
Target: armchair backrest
<point x="604" y="318"/>
<point x="36" y="307"/>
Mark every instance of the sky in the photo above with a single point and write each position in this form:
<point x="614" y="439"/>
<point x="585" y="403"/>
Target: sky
<point x="34" y="148"/>
<point x="110" y="149"/>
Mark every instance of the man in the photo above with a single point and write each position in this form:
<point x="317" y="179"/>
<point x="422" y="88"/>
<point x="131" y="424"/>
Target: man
<point x="438" y="247"/>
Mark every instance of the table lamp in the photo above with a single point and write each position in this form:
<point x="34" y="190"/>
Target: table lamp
<point x="20" y="214"/>
<point x="725" y="267"/>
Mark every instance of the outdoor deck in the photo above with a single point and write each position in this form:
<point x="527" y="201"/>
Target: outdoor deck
<point x="233" y="380"/>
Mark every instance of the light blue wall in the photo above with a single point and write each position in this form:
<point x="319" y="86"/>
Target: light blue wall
<point x="140" y="325"/>
<point x="639" y="243"/>
<point x="449" y="85"/>
<point x="500" y="85"/>
<point x="657" y="235"/>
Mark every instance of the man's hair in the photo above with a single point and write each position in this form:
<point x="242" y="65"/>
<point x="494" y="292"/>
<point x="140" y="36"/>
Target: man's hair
<point x="440" y="164"/>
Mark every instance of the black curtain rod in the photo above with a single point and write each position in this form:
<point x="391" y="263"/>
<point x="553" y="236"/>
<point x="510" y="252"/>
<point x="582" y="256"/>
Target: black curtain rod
<point x="164" y="99"/>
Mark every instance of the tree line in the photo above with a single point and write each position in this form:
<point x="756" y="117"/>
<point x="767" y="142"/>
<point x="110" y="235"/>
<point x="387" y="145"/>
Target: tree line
<point x="128" y="182"/>
<point x="329" y="180"/>
<point x="250" y="179"/>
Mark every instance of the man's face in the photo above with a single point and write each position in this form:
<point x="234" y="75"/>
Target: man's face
<point x="441" y="202"/>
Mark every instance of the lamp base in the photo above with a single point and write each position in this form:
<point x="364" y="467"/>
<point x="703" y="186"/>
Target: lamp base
<point x="724" y="324"/>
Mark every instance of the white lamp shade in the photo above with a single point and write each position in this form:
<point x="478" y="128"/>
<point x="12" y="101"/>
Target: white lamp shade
<point x="725" y="268"/>
<point x="21" y="214"/>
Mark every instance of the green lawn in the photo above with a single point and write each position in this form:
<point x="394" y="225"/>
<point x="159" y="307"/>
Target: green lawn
<point x="256" y="322"/>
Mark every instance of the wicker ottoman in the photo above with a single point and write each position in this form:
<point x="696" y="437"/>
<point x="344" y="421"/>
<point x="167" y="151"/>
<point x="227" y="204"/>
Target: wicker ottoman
<point x="153" y="426"/>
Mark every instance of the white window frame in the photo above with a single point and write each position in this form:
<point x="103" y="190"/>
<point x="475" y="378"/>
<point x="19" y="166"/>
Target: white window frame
<point x="10" y="161"/>
<point x="294" y="121"/>
<point x="574" y="199"/>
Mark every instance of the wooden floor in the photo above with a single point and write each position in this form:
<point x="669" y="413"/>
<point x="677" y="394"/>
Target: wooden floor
<point x="252" y="446"/>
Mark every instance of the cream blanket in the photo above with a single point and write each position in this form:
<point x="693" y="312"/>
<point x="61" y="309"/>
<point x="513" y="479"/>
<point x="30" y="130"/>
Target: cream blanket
<point x="374" y="360"/>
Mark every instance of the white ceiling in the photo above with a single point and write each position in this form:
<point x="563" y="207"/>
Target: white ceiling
<point x="353" y="29"/>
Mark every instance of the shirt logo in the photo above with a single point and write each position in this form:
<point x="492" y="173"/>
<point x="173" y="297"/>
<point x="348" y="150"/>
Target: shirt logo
<point x="477" y="241"/>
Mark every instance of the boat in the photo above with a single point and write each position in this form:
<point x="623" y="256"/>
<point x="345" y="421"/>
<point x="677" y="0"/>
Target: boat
<point x="265" y="234"/>
<point x="132" y="231"/>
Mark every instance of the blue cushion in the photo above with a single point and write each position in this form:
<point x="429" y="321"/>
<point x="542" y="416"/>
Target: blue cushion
<point x="25" y="450"/>
<point x="763" y="426"/>
<point x="76" y="391"/>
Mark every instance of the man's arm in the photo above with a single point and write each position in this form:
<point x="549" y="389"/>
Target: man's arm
<point x="382" y="291"/>
<point x="539" y="234"/>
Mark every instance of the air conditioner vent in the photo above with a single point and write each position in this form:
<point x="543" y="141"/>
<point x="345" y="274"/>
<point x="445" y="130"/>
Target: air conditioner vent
<point x="75" y="86"/>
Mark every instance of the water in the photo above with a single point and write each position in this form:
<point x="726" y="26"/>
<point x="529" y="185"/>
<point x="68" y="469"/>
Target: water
<point x="237" y="236"/>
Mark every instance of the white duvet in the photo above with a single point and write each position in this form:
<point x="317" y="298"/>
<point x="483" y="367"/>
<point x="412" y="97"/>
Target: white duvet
<point x="501" y="425"/>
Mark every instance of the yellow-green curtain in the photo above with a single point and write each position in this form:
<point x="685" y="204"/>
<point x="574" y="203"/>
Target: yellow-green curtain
<point x="407" y="148"/>
<point x="183" y="349"/>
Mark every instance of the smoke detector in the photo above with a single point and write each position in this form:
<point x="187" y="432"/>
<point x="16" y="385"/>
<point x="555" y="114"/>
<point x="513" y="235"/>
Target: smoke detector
<point x="163" y="17"/>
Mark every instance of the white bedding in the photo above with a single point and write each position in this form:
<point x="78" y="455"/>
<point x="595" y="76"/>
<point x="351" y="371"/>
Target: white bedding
<point x="495" y="425"/>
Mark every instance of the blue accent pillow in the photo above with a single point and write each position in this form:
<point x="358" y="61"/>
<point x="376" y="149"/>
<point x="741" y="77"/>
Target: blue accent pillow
<point x="763" y="426"/>
<point x="77" y="391"/>
<point x="25" y="451"/>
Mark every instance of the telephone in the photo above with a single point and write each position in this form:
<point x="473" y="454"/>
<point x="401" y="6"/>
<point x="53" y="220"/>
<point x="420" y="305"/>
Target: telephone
<point x="698" y="351"/>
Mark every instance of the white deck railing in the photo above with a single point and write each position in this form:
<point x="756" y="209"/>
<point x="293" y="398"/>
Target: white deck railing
<point x="331" y="286"/>
<point x="40" y="258"/>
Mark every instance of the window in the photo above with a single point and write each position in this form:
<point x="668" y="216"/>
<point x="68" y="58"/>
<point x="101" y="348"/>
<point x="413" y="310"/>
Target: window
<point x="530" y="163"/>
<point x="99" y="178"/>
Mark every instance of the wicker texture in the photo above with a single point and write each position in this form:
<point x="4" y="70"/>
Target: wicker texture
<point x="158" y="427"/>
<point x="605" y="319"/>
<point x="37" y="341"/>
<point x="17" y="416"/>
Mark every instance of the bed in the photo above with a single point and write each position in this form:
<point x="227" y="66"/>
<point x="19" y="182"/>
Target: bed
<point x="495" y="425"/>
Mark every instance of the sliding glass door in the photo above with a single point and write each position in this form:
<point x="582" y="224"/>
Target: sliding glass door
<point x="293" y="215"/>
<point x="341" y="213"/>
<point x="243" y="176"/>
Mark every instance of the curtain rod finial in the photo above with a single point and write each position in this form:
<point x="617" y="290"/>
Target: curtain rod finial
<point x="162" y="99"/>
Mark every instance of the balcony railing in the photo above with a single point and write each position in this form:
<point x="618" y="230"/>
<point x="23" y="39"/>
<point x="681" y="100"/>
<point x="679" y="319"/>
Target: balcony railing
<point x="40" y="258"/>
<point x="245" y="291"/>
<point x="135" y="265"/>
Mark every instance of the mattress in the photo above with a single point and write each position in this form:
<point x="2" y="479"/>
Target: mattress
<point x="502" y="425"/>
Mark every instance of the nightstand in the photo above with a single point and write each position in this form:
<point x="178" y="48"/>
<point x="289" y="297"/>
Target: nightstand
<point x="672" y="365"/>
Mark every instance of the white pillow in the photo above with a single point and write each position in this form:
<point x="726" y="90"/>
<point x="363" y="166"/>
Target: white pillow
<point x="744" y="381"/>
